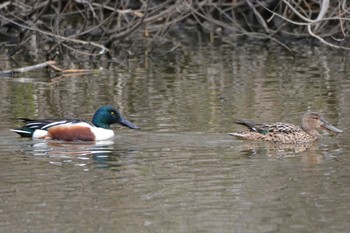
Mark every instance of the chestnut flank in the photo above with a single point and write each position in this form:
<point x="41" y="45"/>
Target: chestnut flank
<point x="71" y="133"/>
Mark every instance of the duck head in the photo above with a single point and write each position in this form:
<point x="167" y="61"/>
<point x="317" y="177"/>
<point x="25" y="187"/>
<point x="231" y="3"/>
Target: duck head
<point x="313" y="121"/>
<point x="107" y="115"/>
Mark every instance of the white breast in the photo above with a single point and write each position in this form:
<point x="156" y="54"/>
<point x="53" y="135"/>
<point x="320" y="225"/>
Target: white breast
<point x="102" y="134"/>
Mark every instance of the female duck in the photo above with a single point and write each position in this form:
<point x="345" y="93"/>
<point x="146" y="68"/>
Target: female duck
<point x="287" y="133"/>
<point x="75" y="129"/>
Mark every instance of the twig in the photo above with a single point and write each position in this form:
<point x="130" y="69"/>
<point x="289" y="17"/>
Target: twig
<point x="72" y="71"/>
<point x="50" y="64"/>
<point x="103" y="49"/>
<point x="26" y="69"/>
<point x="309" y="23"/>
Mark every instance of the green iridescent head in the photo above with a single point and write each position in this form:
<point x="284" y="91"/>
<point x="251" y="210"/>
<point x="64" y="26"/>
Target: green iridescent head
<point x="107" y="115"/>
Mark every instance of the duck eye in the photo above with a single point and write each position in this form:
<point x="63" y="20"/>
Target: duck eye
<point x="112" y="113"/>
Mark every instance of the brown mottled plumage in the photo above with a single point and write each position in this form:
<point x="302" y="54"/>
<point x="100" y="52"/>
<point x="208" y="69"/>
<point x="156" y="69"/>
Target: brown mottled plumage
<point x="287" y="133"/>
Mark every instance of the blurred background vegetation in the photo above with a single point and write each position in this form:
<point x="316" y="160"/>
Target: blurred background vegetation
<point x="53" y="29"/>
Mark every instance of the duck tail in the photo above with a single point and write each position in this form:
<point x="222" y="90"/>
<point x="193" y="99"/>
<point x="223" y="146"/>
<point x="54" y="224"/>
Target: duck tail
<point x="24" y="131"/>
<point x="253" y="126"/>
<point x="30" y="126"/>
<point x="247" y="123"/>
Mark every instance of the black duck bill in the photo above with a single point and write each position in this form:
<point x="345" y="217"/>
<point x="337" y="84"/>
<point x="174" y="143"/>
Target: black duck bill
<point x="127" y="123"/>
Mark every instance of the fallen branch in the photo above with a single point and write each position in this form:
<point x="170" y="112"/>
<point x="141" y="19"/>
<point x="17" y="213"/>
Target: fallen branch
<point x="49" y="64"/>
<point x="11" y="73"/>
<point x="72" y="71"/>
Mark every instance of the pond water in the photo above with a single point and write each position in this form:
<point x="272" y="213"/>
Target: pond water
<point x="181" y="172"/>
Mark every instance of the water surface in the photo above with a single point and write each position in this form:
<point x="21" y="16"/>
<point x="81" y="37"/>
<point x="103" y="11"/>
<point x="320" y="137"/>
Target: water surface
<point x="182" y="172"/>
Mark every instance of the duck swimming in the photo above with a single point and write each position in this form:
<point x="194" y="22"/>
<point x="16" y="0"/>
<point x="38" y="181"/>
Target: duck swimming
<point x="75" y="129"/>
<point x="287" y="133"/>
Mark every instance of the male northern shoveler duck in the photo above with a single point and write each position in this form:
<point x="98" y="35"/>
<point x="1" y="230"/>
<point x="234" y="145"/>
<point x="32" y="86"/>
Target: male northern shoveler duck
<point x="75" y="129"/>
<point x="287" y="133"/>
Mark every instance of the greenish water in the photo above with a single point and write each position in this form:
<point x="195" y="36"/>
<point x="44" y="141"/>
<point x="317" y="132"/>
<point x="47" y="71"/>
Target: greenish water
<point x="182" y="172"/>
